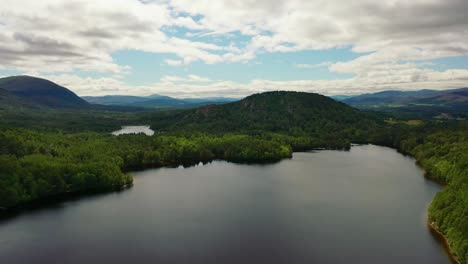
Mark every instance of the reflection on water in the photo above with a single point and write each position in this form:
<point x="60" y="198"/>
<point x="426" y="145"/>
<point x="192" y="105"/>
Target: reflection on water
<point x="134" y="130"/>
<point x="361" y="206"/>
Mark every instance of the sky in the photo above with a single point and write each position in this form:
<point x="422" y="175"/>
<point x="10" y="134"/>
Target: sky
<point x="233" y="48"/>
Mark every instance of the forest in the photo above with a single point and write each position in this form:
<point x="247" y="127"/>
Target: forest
<point x="49" y="153"/>
<point x="37" y="165"/>
<point x="443" y="153"/>
<point x="441" y="149"/>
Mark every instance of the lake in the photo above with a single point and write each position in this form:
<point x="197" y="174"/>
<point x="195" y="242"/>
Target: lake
<point x="367" y="205"/>
<point x="134" y="130"/>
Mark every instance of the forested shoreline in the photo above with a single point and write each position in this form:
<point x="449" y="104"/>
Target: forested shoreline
<point x="441" y="149"/>
<point x="35" y="165"/>
<point x="50" y="153"/>
<point x="444" y="156"/>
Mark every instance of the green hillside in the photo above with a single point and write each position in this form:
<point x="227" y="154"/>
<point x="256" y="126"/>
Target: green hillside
<point x="293" y="113"/>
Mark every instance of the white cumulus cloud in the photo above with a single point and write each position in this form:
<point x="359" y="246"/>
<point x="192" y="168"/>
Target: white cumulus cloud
<point x="395" y="39"/>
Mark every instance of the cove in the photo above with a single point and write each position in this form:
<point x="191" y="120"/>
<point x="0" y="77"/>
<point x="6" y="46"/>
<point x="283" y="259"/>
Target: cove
<point x="366" y="205"/>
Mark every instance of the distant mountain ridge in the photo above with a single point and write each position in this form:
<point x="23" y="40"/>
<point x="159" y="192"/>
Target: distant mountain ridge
<point x="32" y="92"/>
<point x="341" y="97"/>
<point x="155" y="101"/>
<point x="37" y="91"/>
<point x="112" y="99"/>
<point x="453" y="97"/>
<point x="404" y="97"/>
<point x="423" y="103"/>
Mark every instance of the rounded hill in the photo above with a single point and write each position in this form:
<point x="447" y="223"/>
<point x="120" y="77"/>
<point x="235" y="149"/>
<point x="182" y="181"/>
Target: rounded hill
<point x="41" y="91"/>
<point x="280" y="111"/>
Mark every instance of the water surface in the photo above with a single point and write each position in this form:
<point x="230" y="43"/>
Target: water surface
<point x="134" y="130"/>
<point x="363" y="206"/>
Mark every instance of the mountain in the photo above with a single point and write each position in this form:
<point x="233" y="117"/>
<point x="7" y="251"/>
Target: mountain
<point x="341" y="97"/>
<point x="285" y="112"/>
<point x="113" y="99"/>
<point x="388" y="97"/>
<point x="406" y="97"/>
<point x="422" y="103"/>
<point x="41" y="92"/>
<point x="210" y="99"/>
<point x="155" y="101"/>
<point x="455" y="97"/>
<point x="164" y="102"/>
<point x="9" y="101"/>
<point x="6" y="96"/>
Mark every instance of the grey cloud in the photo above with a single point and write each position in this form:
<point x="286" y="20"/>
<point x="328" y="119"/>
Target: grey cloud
<point x="82" y="34"/>
<point x="127" y="22"/>
<point x="38" y="45"/>
<point x="98" y="33"/>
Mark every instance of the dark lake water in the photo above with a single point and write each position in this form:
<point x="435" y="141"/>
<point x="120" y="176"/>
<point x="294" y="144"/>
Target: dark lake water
<point x="367" y="205"/>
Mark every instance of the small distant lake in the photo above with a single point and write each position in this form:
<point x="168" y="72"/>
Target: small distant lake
<point x="367" y="205"/>
<point x="134" y="130"/>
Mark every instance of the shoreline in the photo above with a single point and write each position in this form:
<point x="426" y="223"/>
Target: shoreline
<point x="435" y="231"/>
<point x="433" y="228"/>
<point x="6" y="213"/>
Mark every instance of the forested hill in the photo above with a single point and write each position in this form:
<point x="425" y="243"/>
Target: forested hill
<point x="295" y="113"/>
<point x="37" y="91"/>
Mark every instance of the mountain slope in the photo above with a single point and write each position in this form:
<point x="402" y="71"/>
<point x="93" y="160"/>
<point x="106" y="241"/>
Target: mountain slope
<point x="341" y="97"/>
<point x="294" y="113"/>
<point x="10" y="102"/>
<point x="459" y="96"/>
<point x="7" y="97"/>
<point x="41" y="92"/>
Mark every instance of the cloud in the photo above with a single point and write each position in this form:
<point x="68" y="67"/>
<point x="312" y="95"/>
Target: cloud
<point x="86" y="32"/>
<point x="174" y="62"/>
<point x="313" y="66"/>
<point x="395" y="38"/>
<point x="364" y="24"/>
<point x="198" y="86"/>
<point x="191" y="78"/>
<point x="82" y="34"/>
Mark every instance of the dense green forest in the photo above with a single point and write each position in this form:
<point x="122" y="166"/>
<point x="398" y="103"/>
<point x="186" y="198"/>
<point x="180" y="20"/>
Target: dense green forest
<point x="68" y="120"/>
<point x="445" y="157"/>
<point x="36" y="165"/>
<point x="49" y="151"/>
<point x="441" y="148"/>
